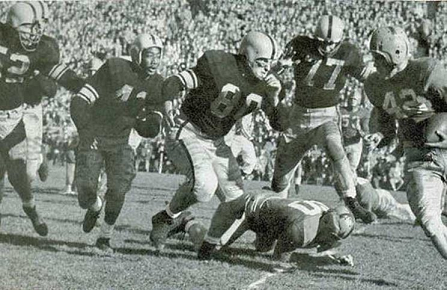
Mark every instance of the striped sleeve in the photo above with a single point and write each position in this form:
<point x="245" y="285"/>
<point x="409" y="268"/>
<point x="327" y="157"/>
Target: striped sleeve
<point x="88" y="94"/>
<point x="189" y="79"/>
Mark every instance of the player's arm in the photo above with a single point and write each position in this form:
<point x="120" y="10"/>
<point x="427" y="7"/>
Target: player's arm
<point x="188" y="79"/>
<point x="272" y="104"/>
<point x="436" y="88"/>
<point x="82" y="102"/>
<point x="47" y="61"/>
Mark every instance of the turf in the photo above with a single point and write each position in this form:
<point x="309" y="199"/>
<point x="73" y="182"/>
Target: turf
<point x="387" y="255"/>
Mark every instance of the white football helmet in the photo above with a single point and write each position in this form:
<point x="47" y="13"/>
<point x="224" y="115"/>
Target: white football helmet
<point x="392" y="44"/>
<point x="142" y="42"/>
<point x="259" y="49"/>
<point x="330" y="32"/>
<point x="29" y="19"/>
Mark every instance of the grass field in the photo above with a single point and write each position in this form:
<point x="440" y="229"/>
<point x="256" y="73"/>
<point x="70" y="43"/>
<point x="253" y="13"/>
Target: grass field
<point x="387" y="255"/>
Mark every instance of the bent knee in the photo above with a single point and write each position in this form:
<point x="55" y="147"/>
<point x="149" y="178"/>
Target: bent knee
<point x="204" y="187"/>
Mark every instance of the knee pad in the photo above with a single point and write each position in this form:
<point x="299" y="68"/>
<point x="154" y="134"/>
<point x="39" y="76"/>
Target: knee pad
<point x="31" y="168"/>
<point x="205" y="185"/>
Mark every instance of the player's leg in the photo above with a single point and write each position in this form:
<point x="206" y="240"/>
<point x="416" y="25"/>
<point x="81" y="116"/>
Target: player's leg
<point x="330" y="134"/>
<point x="32" y="119"/>
<point x="70" y="164"/>
<point x="192" y="156"/>
<point x="2" y="183"/>
<point x="288" y="156"/>
<point x="425" y="191"/>
<point x="14" y="153"/>
<point x="231" y="195"/>
<point x="120" y="170"/>
<point x="248" y="155"/>
<point x="88" y="167"/>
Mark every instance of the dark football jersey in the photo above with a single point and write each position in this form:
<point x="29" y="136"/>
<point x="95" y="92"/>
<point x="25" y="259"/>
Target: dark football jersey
<point x="18" y="64"/>
<point x="319" y="78"/>
<point x="228" y="91"/>
<point x="268" y="213"/>
<point x="411" y="96"/>
<point x="122" y="93"/>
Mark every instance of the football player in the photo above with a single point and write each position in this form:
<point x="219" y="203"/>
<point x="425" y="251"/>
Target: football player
<point x="412" y="91"/>
<point x="223" y="87"/>
<point x="355" y="121"/>
<point x="287" y="224"/>
<point x="381" y="202"/>
<point x="120" y="96"/>
<point x="26" y="53"/>
<point x="321" y="65"/>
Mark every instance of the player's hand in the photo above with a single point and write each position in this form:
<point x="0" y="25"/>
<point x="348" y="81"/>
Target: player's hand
<point x="442" y="144"/>
<point x="273" y="89"/>
<point x="345" y="260"/>
<point x="372" y="140"/>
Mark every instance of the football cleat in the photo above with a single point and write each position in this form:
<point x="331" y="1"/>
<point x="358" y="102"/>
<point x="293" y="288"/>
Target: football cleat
<point x="104" y="245"/>
<point x="90" y="219"/>
<point x="38" y="223"/>
<point x="43" y="171"/>
<point x="163" y="226"/>
<point x="206" y="251"/>
<point x="358" y="211"/>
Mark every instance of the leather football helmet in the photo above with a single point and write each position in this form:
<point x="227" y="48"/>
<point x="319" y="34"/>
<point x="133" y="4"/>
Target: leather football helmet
<point x="335" y="224"/>
<point x="330" y="32"/>
<point x="29" y="19"/>
<point x="391" y="43"/>
<point x="259" y="49"/>
<point x="142" y="42"/>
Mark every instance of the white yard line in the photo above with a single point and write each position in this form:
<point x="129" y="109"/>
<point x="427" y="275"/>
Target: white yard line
<point x="261" y="281"/>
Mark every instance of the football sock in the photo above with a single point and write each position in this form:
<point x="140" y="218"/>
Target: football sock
<point x="97" y="205"/>
<point x="30" y="203"/>
<point x="171" y="214"/>
<point x="106" y="230"/>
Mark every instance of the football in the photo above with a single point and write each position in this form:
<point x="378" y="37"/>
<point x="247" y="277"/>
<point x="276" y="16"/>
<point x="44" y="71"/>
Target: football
<point x="435" y="123"/>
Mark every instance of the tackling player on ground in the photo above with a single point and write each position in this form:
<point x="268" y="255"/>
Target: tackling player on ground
<point x="223" y="87"/>
<point x="321" y="64"/>
<point x="120" y="96"/>
<point x="25" y="53"/>
<point x="412" y="92"/>
<point x="287" y="224"/>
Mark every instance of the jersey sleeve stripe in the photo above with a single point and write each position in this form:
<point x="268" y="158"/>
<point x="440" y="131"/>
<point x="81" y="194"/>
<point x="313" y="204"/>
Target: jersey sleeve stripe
<point x="57" y="71"/>
<point x="88" y="93"/>
<point x="188" y="79"/>
<point x="194" y="77"/>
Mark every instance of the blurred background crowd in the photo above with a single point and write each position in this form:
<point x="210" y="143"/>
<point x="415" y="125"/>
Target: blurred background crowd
<point x="89" y="32"/>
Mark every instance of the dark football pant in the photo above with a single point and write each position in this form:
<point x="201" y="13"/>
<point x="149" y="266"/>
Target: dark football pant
<point x="120" y="170"/>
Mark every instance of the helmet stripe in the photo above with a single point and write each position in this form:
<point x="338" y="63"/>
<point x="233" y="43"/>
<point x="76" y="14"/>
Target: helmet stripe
<point x="153" y="38"/>
<point x="34" y="10"/>
<point x="273" y="46"/>
<point x="330" y="24"/>
<point x="42" y="7"/>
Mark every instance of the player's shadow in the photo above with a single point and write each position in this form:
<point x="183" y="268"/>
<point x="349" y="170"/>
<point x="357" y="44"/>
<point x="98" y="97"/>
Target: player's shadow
<point x="59" y="220"/>
<point x="318" y="267"/>
<point x="390" y="238"/>
<point x="41" y="243"/>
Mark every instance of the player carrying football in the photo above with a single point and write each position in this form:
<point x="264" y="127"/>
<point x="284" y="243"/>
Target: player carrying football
<point x="411" y="92"/>
<point x="25" y="53"/>
<point x="120" y="96"/>
<point x="223" y="87"/>
<point x="321" y="64"/>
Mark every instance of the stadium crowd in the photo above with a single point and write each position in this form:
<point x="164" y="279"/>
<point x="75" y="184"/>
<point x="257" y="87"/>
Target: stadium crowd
<point x="88" y="31"/>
